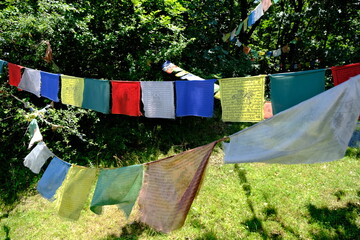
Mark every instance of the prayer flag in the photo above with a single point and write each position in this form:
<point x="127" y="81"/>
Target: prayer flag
<point x="37" y="157"/>
<point x="242" y="99"/>
<point x="266" y="4"/>
<point x="170" y="186"/>
<point x="35" y="133"/>
<point x="126" y="98"/>
<point x="14" y="74"/>
<point x="251" y="19"/>
<point x="238" y="30"/>
<point x="258" y="11"/>
<point x="268" y="110"/>
<point x="316" y="130"/>
<point x="52" y="178"/>
<point x="97" y="95"/>
<point x="72" y="90"/>
<point x="195" y="98"/>
<point x="342" y="73"/>
<point x="2" y="64"/>
<point x="119" y="186"/>
<point x="289" y="89"/>
<point x="30" y="81"/>
<point x="50" y="86"/>
<point x="158" y="99"/>
<point x="75" y="191"/>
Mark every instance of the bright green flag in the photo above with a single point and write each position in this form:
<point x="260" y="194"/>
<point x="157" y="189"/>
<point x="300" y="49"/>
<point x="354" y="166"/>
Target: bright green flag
<point x="96" y="95"/>
<point x="289" y="89"/>
<point x="119" y="186"/>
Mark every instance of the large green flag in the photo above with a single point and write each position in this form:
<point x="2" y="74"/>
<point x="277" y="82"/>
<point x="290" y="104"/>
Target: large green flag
<point x="96" y="95"/>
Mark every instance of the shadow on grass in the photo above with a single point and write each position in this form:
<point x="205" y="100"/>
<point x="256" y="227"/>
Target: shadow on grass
<point x="337" y="223"/>
<point x="207" y="234"/>
<point x="133" y="231"/>
<point x="7" y="231"/>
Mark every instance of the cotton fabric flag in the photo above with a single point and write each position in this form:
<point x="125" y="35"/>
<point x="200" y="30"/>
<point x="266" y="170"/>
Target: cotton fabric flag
<point x="30" y="81"/>
<point x="268" y="110"/>
<point x="50" y="85"/>
<point x="37" y="157"/>
<point x="53" y="178"/>
<point x="126" y="98"/>
<point x="277" y="52"/>
<point x="158" y="99"/>
<point x="170" y="186"/>
<point x="2" y="64"/>
<point x="119" y="186"/>
<point x="251" y="19"/>
<point x="75" y="191"/>
<point x="239" y="28"/>
<point x="259" y="12"/>
<point x="242" y="99"/>
<point x="266" y="4"/>
<point x="97" y="95"/>
<point x="34" y="132"/>
<point x="72" y="90"/>
<point x="195" y="98"/>
<point x="316" y="130"/>
<point x="14" y="74"/>
<point x="289" y="89"/>
<point x="342" y="73"/>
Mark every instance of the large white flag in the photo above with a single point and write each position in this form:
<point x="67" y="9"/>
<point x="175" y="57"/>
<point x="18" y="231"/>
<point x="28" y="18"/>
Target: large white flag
<point x="316" y="130"/>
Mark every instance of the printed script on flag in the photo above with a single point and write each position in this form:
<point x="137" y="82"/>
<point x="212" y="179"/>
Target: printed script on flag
<point x="242" y="99"/>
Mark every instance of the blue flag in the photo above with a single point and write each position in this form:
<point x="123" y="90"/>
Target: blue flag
<point x="50" y="86"/>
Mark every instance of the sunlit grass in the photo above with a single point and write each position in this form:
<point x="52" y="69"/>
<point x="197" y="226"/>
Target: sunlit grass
<point x="242" y="201"/>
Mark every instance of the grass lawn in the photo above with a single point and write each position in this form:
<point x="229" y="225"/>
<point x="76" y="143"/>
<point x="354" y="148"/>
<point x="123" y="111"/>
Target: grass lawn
<point x="237" y="201"/>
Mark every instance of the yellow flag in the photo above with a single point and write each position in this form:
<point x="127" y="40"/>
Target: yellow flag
<point x="242" y="99"/>
<point x="72" y="90"/>
<point x="75" y="191"/>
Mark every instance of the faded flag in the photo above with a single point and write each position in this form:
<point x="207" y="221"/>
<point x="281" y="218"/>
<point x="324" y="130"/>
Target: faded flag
<point x="316" y="130"/>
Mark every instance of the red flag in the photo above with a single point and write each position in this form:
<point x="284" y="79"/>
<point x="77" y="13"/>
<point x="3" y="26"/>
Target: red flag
<point x="126" y="98"/>
<point x="343" y="73"/>
<point x="14" y="74"/>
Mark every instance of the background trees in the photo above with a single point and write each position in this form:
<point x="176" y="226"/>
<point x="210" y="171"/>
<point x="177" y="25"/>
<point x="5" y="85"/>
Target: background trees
<point x="130" y="40"/>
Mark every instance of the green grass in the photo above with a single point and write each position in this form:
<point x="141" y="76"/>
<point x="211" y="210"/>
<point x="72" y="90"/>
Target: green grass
<point x="242" y="201"/>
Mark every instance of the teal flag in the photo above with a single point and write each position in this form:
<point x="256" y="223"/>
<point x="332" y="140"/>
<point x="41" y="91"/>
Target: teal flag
<point x="289" y="89"/>
<point x="2" y="64"/>
<point x="119" y="186"/>
<point x="96" y="95"/>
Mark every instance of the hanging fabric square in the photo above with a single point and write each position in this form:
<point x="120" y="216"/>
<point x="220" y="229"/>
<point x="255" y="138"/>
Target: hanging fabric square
<point x="342" y="73"/>
<point x="37" y="157"/>
<point x="35" y="133"/>
<point x="50" y="86"/>
<point x="242" y="99"/>
<point x="266" y="4"/>
<point x="316" y="130"/>
<point x="239" y="28"/>
<point x="119" y="186"/>
<point x="72" y="90"/>
<point x="97" y="95"/>
<point x="251" y="19"/>
<point x="53" y="178"/>
<point x="158" y="99"/>
<point x="126" y="98"/>
<point x="2" y="64"/>
<point x="75" y="191"/>
<point x="289" y="89"/>
<point x="30" y="81"/>
<point x="268" y="110"/>
<point x="259" y="12"/>
<point x="276" y="52"/>
<point x="195" y="98"/>
<point x="170" y="186"/>
<point x="14" y="74"/>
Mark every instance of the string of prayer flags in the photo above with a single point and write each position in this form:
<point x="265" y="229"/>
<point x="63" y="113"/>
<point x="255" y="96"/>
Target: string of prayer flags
<point x="2" y="64"/>
<point x="289" y="89"/>
<point x="158" y="99"/>
<point x="75" y="191"/>
<point x="30" y="81"/>
<point x="96" y="95"/>
<point x="37" y="157"/>
<point x="195" y="98"/>
<point x="72" y="90"/>
<point x="316" y="130"/>
<point x="53" y="178"/>
<point x="126" y="98"/>
<point x="171" y="68"/>
<point x="50" y="83"/>
<point x="119" y="186"/>
<point x="14" y="74"/>
<point x="35" y="134"/>
<point x="170" y="186"/>
<point x="242" y="99"/>
<point x="342" y="73"/>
